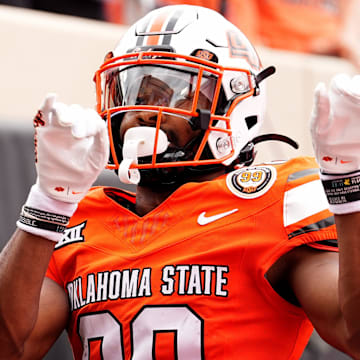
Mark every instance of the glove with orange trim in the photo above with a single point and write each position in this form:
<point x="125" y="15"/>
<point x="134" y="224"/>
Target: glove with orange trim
<point x="335" y="131"/>
<point x="71" y="149"/>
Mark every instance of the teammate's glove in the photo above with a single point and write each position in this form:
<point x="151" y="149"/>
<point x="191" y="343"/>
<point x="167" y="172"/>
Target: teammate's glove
<point x="71" y="149"/>
<point x="335" y="131"/>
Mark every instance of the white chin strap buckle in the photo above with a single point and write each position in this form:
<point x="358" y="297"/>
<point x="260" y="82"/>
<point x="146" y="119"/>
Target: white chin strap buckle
<point x="138" y="142"/>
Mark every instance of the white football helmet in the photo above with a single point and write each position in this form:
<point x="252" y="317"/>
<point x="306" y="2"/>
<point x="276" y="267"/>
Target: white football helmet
<point x="175" y="55"/>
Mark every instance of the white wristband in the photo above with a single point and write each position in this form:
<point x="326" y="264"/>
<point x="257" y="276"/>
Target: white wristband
<point x="44" y="216"/>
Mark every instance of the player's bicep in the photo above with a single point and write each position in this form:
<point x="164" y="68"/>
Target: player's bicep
<point x="52" y="319"/>
<point x="314" y="281"/>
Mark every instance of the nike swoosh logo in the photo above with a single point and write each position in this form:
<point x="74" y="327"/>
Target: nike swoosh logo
<point x="204" y="220"/>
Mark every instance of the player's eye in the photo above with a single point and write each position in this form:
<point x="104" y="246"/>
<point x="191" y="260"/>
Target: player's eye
<point x="140" y="100"/>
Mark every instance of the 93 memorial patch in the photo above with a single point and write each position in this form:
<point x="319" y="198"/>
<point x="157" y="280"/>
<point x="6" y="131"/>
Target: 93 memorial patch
<point x="251" y="182"/>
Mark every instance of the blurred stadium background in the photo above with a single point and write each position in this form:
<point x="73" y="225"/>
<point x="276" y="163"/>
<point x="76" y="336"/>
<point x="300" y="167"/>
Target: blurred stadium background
<point x="43" y="52"/>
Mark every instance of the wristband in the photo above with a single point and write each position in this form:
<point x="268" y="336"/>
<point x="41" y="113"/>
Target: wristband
<point x="45" y="225"/>
<point x="342" y="192"/>
<point x="44" y="216"/>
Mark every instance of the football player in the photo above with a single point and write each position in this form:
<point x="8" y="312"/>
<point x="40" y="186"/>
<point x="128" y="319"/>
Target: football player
<point x="212" y="257"/>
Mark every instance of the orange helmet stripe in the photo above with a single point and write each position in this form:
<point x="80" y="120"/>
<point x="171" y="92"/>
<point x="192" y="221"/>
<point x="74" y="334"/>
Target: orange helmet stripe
<point x="156" y="28"/>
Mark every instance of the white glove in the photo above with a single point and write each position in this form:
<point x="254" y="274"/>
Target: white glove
<point x="335" y="131"/>
<point x="71" y="149"/>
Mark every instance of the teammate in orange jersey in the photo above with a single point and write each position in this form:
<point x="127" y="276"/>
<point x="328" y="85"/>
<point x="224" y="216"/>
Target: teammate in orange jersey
<point x="306" y="26"/>
<point x="313" y="26"/>
<point x="323" y="27"/>
<point x="212" y="257"/>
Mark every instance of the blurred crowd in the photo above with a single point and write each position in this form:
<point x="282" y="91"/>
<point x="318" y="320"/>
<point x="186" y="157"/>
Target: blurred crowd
<point x="326" y="27"/>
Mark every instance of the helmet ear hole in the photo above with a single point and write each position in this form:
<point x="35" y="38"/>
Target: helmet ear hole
<point x="251" y="121"/>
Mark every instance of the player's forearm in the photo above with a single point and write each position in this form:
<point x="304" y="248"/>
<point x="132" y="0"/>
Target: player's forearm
<point x="335" y="133"/>
<point x="348" y="227"/>
<point x="23" y="264"/>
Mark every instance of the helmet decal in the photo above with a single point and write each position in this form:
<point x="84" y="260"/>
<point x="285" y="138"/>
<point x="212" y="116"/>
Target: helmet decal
<point x="239" y="48"/>
<point x="205" y="54"/>
<point x="158" y="29"/>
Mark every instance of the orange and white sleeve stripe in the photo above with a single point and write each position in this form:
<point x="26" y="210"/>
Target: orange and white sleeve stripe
<point x="306" y="210"/>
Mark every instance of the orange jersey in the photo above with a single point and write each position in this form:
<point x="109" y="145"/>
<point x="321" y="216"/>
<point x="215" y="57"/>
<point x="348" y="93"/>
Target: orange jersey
<point x="295" y="25"/>
<point x="188" y="280"/>
<point x="292" y="25"/>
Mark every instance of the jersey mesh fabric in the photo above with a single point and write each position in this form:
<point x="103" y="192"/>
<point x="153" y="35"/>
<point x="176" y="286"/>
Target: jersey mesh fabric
<point x="155" y="285"/>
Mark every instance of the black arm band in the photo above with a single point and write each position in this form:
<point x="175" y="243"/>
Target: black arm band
<point x="39" y="224"/>
<point x="45" y="215"/>
<point x="343" y="190"/>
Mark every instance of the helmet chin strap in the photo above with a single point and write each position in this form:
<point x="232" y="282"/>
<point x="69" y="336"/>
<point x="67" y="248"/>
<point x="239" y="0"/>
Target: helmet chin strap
<point x="139" y="142"/>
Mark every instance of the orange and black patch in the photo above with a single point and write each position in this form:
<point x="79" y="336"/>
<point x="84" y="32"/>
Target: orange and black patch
<point x="205" y="54"/>
<point x="251" y="182"/>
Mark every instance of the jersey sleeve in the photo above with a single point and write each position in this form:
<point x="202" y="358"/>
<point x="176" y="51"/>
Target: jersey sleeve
<point x="326" y="245"/>
<point x="306" y="213"/>
<point x="53" y="273"/>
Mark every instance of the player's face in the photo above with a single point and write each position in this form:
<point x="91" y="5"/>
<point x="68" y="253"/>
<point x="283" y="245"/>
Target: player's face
<point x="170" y="88"/>
<point x="177" y="128"/>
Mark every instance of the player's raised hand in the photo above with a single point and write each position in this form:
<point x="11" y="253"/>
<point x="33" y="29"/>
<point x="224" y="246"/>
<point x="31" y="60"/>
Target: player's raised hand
<point x="335" y="131"/>
<point x="71" y="149"/>
<point x="335" y="125"/>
